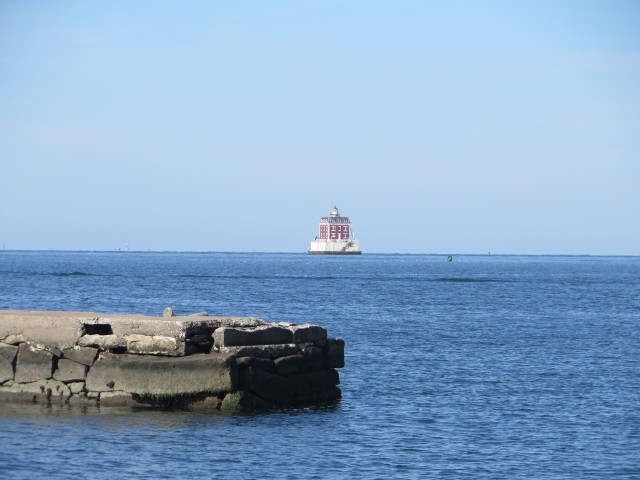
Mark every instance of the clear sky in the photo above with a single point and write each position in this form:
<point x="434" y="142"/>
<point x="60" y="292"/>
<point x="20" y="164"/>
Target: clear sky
<point x="437" y="126"/>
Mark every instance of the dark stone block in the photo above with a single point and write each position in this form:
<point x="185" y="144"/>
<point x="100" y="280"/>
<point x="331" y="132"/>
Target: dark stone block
<point x="263" y="364"/>
<point x="264" y="335"/>
<point x="307" y="360"/>
<point x="334" y="353"/>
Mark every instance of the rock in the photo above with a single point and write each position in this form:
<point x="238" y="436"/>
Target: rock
<point x="69" y="371"/>
<point x="290" y="390"/>
<point x="103" y="342"/>
<point x="263" y="335"/>
<point x="32" y="364"/>
<point x="168" y="312"/>
<point x="262" y="351"/>
<point x="242" y="401"/>
<point x="154" y="345"/>
<point x="84" y="355"/>
<point x="270" y="387"/>
<point x="307" y="360"/>
<point x="82" y="400"/>
<point x="8" y="352"/>
<point x="163" y="376"/>
<point x="259" y="363"/>
<point x="7" y="356"/>
<point x="76" y="388"/>
<point x="14" y="339"/>
<point x="43" y="391"/>
<point x="6" y="370"/>
<point x="117" y="399"/>
<point x="334" y="353"/>
<point x="309" y="334"/>
<point x="206" y="403"/>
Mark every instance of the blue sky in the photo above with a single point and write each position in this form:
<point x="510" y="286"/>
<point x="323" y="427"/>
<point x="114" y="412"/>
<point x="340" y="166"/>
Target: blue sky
<point x="438" y="127"/>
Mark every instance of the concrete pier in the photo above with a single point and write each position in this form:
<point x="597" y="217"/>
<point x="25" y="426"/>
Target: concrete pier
<point x="184" y="362"/>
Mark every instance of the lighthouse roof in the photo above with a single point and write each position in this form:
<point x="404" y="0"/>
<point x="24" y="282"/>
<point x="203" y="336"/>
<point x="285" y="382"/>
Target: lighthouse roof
<point x="335" y="217"/>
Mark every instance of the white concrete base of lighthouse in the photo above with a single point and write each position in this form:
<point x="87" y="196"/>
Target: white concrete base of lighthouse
<point x="334" y="247"/>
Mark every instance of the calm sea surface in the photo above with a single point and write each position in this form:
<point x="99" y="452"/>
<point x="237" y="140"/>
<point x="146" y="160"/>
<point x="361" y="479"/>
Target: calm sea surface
<point x="486" y="367"/>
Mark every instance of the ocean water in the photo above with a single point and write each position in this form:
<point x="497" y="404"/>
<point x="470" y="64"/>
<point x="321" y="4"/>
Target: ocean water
<point x="486" y="367"/>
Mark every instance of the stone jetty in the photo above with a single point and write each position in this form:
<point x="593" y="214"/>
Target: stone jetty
<point x="196" y="362"/>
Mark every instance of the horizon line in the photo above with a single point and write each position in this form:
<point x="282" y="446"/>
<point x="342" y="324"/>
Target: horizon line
<point x="488" y="254"/>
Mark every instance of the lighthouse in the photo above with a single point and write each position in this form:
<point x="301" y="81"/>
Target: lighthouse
<point x="335" y="236"/>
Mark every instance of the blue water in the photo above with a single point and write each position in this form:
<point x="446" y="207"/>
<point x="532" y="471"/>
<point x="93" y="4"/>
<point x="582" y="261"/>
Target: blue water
<point x="486" y="367"/>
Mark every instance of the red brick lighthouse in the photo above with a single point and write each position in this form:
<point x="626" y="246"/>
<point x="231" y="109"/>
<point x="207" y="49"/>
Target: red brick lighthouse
<point x="335" y="236"/>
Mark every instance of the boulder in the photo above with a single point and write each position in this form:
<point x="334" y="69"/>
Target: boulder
<point x="8" y="352"/>
<point x="76" y="387"/>
<point x="70" y="371"/>
<point x="6" y="370"/>
<point x="33" y="364"/>
<point x="84" y="355"/>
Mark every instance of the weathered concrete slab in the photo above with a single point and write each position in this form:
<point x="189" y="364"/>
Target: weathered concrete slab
<point x="61" y="330"/>
<point x="154" y="345"/>
<point x="84" y="355"/>
<point x="177" y="327"/>
<point x="263" y="335"/>
<point x="44" y="330"/>
<point x="33" y="364"/>
<point x="147" y="375"/>
<point x="70" y="371"/>
<point x="103" y="342"/>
